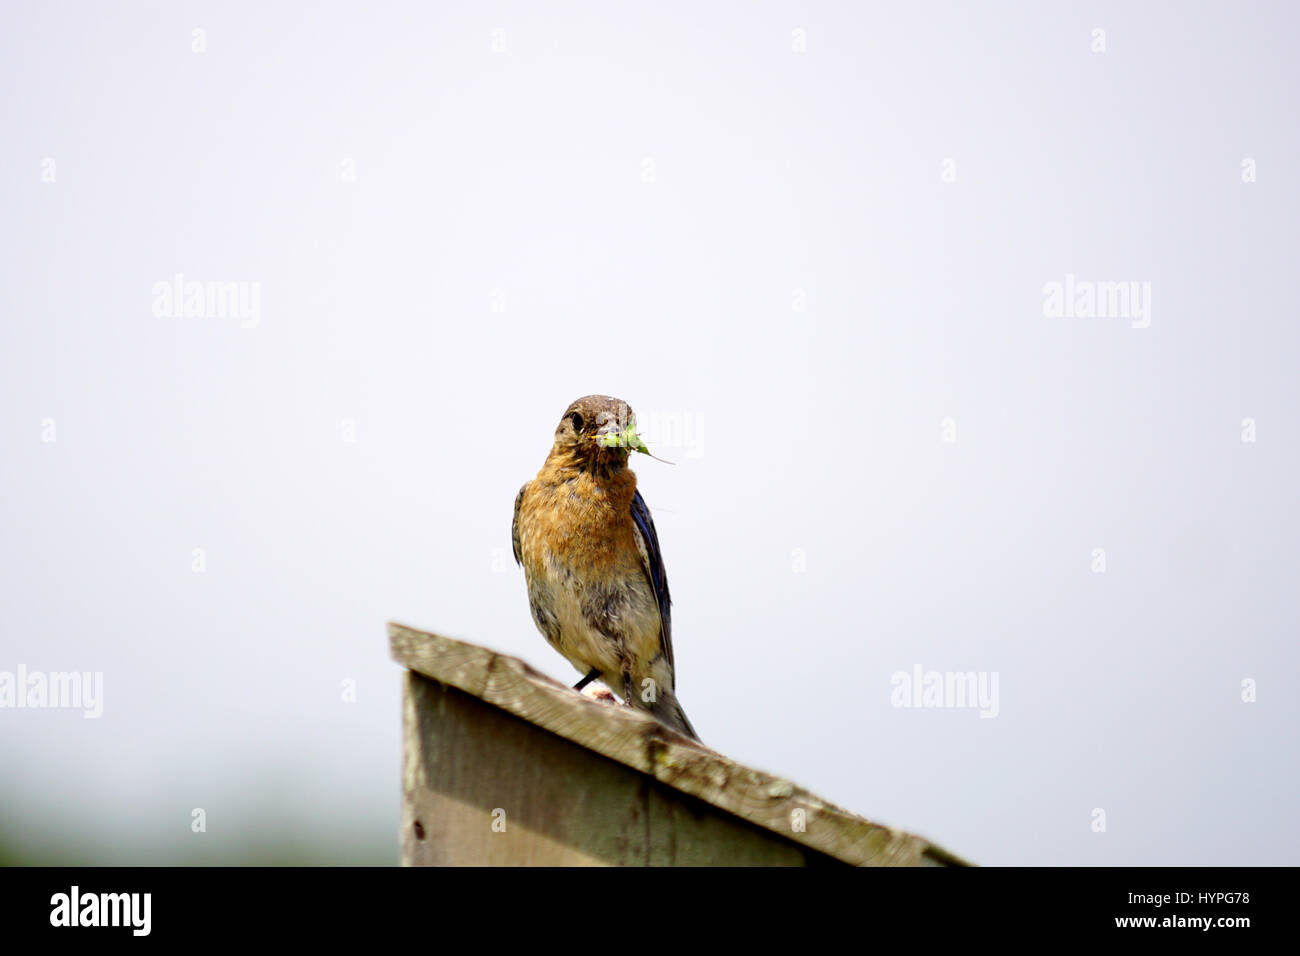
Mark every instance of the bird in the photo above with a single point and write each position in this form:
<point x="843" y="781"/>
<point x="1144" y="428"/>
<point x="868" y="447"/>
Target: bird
<point x="592" y="564"/>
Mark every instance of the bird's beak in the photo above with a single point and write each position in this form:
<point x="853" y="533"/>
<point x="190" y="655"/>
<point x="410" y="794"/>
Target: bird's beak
<point x="621" y="435"/>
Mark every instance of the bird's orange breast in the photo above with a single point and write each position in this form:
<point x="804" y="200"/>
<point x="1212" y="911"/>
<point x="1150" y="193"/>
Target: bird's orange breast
<point x="580" y="522"/>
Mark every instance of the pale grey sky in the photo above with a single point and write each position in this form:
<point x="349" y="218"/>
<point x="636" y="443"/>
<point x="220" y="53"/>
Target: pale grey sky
<point x="812" y="245"/>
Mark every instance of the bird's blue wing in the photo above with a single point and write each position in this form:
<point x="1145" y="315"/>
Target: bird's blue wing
<point x="652" y="562"/>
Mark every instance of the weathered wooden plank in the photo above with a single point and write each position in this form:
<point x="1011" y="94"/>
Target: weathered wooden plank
<point x="638" y="741"/>
<point x="486" y="788"/>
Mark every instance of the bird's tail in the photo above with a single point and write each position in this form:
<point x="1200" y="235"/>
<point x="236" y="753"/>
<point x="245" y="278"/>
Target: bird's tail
<point x="671" y="713"/>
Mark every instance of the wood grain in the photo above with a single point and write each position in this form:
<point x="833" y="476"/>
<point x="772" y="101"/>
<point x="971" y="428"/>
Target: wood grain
<point x="582" y="781"/>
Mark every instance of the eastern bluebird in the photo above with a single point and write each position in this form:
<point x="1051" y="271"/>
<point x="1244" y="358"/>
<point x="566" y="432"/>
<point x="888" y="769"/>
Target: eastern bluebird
<point x="590" y="554"/>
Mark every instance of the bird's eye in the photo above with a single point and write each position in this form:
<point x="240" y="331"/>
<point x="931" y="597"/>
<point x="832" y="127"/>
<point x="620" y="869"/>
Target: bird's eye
<point x="577" y="421"/>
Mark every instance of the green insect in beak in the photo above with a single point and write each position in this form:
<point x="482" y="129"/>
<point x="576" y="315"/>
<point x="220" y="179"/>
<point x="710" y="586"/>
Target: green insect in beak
<point x="628" y="438"/>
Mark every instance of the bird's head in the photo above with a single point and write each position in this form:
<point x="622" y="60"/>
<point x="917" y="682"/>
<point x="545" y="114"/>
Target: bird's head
<point x="597" y="430"/>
